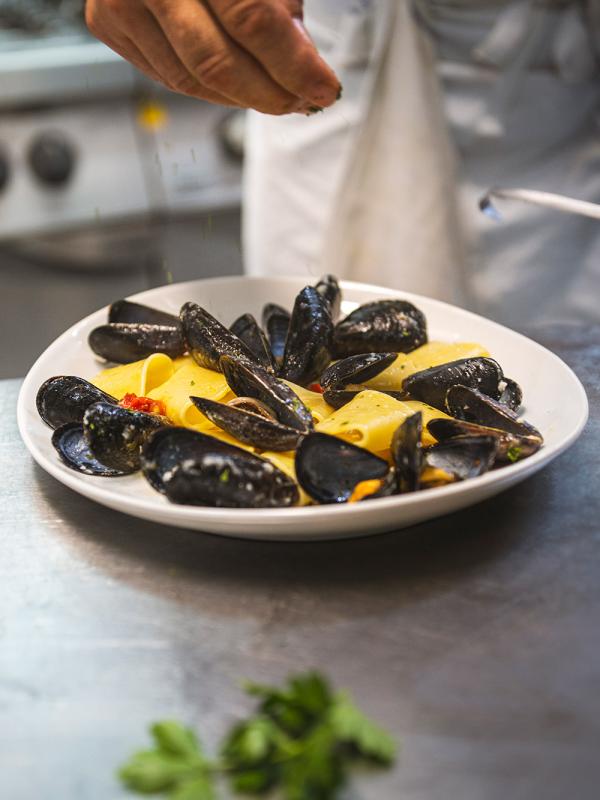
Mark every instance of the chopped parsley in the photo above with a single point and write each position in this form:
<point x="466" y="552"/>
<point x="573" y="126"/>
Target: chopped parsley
<point x="514" y="453"/>
<point x="224" y="475"/>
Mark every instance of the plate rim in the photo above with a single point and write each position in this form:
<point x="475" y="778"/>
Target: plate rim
<point x="282" y="515"/>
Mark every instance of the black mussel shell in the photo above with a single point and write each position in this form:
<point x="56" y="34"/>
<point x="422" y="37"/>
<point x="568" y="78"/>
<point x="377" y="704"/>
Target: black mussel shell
<point x="356" y="369"/>
<point x="195" y="469"/>
<point x="339" y="397"/>
<point x="328" y="468"/>
<point x="207" y="340"/>
<point x="276" y="321"/>
<point x="473" y="406"/>
<point x="249" y="331"/>
<point x="64" y="399"/>
<point x="123" y="342"/>
<point x="254" y="381"/>
<point x="431" y="385"/>
<point x="407" y="453"/>
<point x="250" y="428"/>
<point x="115" y="435"/>
<point x="126" y="311"/>
<point x="511" y="446"/>
<point x="384" y="326"/>
<point x="308" y="344"/>
<point x="329" y="289"/>
<point x="74" y="451"/>
<point x="464" y="457"/>
<point x="511" y="395"/>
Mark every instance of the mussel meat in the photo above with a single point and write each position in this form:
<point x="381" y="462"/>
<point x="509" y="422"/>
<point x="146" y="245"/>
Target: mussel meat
<point x="64" y="399"/>
<point x="329" y="469"/>
<point x="308" y="343"/>
<point x="123" y="342"/>
<point x="384" y="326"/>
<point x="248" y="427"/>
<point x="195" y="469"/>
<point x="207" y="340"/>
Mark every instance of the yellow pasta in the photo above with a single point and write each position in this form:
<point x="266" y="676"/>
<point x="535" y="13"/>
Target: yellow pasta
<point x="314" y="401"/>
<point x="432" y="354"/>
<point x="190" y="379"/>
<point x="429" y="413"/>
<point x="139" y="377"/>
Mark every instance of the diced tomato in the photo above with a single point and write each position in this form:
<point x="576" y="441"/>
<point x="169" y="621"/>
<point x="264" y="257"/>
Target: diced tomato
<point x="135" y="403"/>
<point x="316" y="387"/>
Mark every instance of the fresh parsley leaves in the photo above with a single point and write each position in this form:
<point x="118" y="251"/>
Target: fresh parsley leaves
<point x="301" y="742"/>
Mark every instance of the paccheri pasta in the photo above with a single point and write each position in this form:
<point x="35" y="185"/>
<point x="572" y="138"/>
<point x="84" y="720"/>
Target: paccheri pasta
<point x="316" y="411"/>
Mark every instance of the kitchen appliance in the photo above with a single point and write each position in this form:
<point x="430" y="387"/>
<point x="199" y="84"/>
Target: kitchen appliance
<point x="109" y="183"/>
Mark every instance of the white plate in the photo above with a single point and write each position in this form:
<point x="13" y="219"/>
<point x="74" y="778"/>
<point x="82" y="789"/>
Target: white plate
<point x="555" y="402"/>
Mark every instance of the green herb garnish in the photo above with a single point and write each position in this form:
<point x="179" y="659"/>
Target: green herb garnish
<point x="300" y="743"/>
<point x="224" y="475"/>
<point x="514" y="453"/>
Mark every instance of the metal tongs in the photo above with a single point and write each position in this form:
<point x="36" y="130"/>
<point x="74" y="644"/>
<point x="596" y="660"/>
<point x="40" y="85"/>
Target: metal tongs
<point x="558" y="202"/>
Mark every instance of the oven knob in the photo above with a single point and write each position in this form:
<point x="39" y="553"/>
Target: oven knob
<point x="4" y="170"/>
<point x="52" y="159"/>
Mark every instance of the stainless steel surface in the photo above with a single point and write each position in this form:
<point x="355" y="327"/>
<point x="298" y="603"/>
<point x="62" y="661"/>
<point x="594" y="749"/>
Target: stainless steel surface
<point x="474" y="638"/>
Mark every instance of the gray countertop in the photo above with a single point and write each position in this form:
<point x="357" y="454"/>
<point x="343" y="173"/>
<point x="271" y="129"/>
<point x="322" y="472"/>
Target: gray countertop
<point x="474" y="638"/>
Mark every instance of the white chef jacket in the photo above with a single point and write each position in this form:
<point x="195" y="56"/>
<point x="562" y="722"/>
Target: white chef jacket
<point x="442" y="99"/>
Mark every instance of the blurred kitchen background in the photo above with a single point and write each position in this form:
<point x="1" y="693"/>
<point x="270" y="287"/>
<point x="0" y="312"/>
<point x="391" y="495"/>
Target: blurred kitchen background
<point x="108" y="184"/>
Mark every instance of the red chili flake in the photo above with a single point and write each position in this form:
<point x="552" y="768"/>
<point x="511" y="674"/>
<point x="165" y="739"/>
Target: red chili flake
<point x="315" y="387"/>
<point x="146" y="404"/>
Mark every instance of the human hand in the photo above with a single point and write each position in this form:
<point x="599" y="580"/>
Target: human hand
<point x="244" y="53"/>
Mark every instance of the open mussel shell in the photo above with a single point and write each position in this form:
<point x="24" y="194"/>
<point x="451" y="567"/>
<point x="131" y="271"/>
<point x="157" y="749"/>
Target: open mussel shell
<point x="195" y="469"/>
<point x="308" y="344"/>
<point x="329" y="469"/>
<point x="207" y="340"/>
<point x="248" y="427"/>
<point x="511" y="447"/>
<point x="254" y="381"/>
<point x="407" y="453"/>
<point x="329" y="289"/>
<point x="123" y="342"/>
<point x="74" y="451"/>
<point x="473" y="406"/>
<point x="464" y="457"/>
<point x="249" y="331"/>
<point x="431" y="385"/>
<point x="115" y="435"/>
<point x="64" y="399"/>
<point x="126" y="311"/>
<point x="276" y="321"/>
<point x="384" y="326"/>
<point x="356" y="369"/>
<point x="511" y="395"/>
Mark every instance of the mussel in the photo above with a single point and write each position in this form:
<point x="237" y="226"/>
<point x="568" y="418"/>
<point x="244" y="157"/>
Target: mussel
<point x="407" y="453"/>
<point x="74" y="451"/>
<point x="329" y="289"/>
<point x="207" y="340"/>
<point x="464" y="457"/>
<point x="471" y="405"/>
<point x="249" y="427"/>
<point x="511" y="395"/>
<point x="126" y="311"/>
<point x="123" y="342"/>
<point x="195" y="469"/>
<point x="64" y="399"/>
<point x="329" y="469"/>
<point x="344" y="379"/>
<point x="276" y="321"/>
<point x="254" y="381"/>
<point x="249" y="331"/>
<point x="381" y="327"/>
<point x="308" y="343"/>
<point x="431" y="385"/>
<point x="115" y="435"/>
<point x="511" y="447"/>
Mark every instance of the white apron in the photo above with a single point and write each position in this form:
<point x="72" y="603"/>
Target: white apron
<point x="367" y="189"/>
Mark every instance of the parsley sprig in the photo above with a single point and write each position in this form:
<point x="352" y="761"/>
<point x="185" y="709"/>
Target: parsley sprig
<point x="300" y="743"/>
